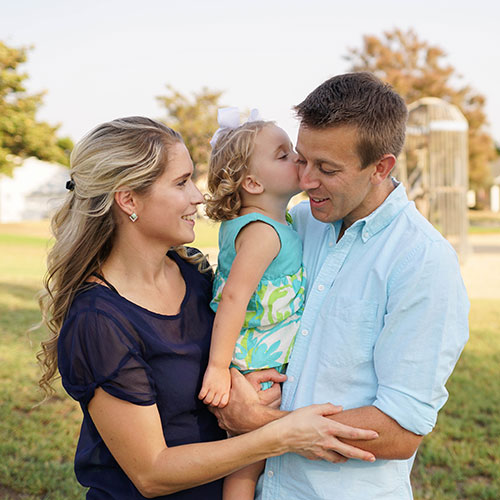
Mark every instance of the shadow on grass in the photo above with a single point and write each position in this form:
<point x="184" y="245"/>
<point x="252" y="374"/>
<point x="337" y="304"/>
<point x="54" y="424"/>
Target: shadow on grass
<point x="19" y="312"/>
<point x="24" y="292"/>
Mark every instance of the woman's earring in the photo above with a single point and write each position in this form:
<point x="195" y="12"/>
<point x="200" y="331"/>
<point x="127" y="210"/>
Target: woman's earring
<point x="133" y="216"/>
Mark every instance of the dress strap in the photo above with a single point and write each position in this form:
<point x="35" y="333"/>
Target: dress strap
<point x="103" y="279"/>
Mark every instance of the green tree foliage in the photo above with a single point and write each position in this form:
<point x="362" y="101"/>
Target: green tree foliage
<point x="21" y="135"/>
<point x="417" y="69"/>
<point x="195" y="119"/>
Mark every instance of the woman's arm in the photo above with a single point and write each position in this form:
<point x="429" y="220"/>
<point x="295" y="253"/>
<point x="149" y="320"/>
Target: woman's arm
<point x="135" y="438"/>
<point x="245" y="413"/>
<point x="256" y="247"/>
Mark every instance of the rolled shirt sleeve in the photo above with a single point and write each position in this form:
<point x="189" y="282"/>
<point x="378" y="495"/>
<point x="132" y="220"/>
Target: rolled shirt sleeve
<point x="424" y="332"/>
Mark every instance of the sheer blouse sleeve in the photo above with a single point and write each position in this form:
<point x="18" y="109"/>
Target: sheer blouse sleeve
<point x="95" y="350"/>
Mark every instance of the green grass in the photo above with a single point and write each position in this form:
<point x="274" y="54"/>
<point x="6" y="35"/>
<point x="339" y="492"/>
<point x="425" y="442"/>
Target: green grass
<point x="484" y="229"/>
<point x="459" y="460"/>
<point x="483" y="221"/>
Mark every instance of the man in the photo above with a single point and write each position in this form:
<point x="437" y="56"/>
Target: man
<point x="386" y="310"/>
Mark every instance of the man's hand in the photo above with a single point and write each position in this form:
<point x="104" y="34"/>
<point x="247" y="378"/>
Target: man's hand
<point x="270" y="397"/>
<point x="245" y="410"/>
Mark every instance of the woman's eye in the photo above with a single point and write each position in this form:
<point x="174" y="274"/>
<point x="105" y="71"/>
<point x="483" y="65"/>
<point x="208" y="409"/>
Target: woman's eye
<point x="284" y="156"/>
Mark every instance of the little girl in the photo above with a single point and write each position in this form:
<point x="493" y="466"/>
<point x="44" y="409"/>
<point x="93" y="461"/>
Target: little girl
<point x="259" y="284"/>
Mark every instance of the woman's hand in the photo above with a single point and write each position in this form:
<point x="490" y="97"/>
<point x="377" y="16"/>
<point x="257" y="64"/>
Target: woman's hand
<point x="216" y="386"/>
<point x="310" y="433"/>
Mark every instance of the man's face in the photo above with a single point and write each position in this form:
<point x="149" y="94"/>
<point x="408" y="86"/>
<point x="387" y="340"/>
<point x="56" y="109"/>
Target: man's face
<point x="330" y="173"/>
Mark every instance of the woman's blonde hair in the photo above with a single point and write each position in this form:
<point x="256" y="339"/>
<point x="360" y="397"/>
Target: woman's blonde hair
<point x="227" y="169"/>
<point x="128" y="152"/>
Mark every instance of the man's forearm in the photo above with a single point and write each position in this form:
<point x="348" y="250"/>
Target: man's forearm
<point x="394" y="442"/>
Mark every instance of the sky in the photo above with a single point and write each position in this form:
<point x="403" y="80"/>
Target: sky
<point x="102" y="59"/>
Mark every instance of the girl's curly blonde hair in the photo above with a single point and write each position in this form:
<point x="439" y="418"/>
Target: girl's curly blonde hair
<point x="227" y="169"/>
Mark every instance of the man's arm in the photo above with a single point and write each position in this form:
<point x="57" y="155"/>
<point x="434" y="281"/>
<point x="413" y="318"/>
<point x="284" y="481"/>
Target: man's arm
<point x="425" y="329"/>
<point x="245" y="412"/>
<point x="394" y="442"/>
<point x="250" y="408"/>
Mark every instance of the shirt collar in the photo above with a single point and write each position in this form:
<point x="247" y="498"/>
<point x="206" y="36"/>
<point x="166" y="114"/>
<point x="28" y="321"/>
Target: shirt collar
<point x="382" y="216"/>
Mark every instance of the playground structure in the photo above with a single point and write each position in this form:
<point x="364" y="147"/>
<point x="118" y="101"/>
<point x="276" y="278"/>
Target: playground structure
<point x="434" y="167"/>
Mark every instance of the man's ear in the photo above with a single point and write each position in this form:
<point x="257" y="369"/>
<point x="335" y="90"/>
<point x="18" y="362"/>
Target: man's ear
<point x="383" y="168"/>
<point x="252" y="185"/>
<point x="126" y="202"/>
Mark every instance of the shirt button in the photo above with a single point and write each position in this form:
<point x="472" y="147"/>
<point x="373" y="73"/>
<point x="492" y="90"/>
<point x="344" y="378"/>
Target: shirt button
<point x="305" y="332"/>
<point x="321" y="288"/>
<point x="291" y="378"/>
<point x="330" y="244"/>
<point x="270" y="473"/>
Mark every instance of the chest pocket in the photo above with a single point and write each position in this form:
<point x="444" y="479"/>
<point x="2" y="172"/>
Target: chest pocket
<point x="349" y="332"/>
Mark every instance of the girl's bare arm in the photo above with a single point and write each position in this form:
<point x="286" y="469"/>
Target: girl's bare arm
<point x="256" y="247"/>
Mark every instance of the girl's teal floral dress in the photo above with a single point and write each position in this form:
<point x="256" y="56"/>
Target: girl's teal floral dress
<point x="274" y="311"/>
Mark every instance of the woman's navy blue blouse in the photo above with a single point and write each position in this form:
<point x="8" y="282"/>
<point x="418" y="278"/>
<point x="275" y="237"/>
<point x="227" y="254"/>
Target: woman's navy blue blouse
<point x="145" y="358"/>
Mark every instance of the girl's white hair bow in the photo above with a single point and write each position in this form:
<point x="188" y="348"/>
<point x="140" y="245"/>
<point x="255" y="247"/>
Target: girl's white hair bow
<point x="229" y="118"/>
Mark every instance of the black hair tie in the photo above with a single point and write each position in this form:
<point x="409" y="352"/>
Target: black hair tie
<point x="70" y="185"/>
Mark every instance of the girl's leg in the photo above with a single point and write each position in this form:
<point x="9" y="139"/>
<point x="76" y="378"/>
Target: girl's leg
<point x="240" y="485"/>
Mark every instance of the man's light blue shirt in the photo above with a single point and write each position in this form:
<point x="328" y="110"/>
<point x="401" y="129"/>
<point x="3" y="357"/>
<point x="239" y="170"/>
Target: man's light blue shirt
<point x="385" y="320"/>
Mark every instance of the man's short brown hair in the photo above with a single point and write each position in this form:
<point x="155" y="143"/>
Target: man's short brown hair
<point x="365" y="102"/>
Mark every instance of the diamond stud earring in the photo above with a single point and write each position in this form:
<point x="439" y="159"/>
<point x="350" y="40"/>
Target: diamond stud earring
<point x="133" y="216"/>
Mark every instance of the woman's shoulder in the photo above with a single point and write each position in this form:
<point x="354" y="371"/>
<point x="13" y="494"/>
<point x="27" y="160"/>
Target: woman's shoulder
<point x="98" y="345"/>
<point x="99" y="312"/>
<point x="88" y="297"/>
<point x="94" y="304"/>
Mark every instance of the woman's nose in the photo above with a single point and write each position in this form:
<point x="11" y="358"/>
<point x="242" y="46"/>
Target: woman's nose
<point x="197" y="196"/>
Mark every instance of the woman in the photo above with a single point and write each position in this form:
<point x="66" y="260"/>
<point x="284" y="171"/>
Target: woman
<point x="129" y="313"/>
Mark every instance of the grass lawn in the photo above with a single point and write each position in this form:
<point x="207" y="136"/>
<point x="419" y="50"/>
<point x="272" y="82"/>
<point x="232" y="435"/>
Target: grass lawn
<point x="459" y="460"/>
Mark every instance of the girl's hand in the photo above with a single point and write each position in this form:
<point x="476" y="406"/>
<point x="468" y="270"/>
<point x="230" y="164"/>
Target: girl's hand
<point x="310" y="433"/>
<point x="216" y="386"/>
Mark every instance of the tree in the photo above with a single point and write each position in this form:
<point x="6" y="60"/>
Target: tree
<point x="417" y="69"/>
<point x="195" y="119"/>
<point x="21" y="135"/>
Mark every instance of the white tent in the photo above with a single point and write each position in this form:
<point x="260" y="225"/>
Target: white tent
<point x="33" y="191"/>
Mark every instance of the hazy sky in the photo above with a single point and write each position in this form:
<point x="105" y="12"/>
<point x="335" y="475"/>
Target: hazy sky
<point x="100" y="60"/>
